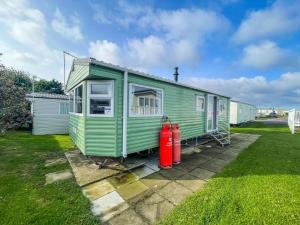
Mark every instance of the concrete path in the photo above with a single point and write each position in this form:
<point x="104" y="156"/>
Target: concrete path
<point x="147" y="194"/>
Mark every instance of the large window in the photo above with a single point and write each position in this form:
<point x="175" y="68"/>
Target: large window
<point x="78" y="99"/>
<point x="100" y="98"/>
<point x="145" y="101"/>
<point x="200" y="104"/>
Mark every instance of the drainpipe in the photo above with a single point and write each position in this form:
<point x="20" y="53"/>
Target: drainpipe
<point x="125" y="112"/>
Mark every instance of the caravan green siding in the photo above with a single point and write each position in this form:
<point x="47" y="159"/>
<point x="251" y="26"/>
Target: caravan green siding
<point x="102" y="136"/>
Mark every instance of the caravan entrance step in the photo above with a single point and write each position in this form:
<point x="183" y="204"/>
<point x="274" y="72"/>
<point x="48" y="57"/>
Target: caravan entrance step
<point x="222" y="137"/>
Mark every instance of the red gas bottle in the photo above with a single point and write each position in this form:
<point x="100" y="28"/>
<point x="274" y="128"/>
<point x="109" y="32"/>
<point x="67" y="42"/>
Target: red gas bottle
<point x="165" y="147"/>
<point x="176" y="144"/>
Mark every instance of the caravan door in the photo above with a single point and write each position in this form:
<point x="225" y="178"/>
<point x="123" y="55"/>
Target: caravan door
<point x="211" y="113"/>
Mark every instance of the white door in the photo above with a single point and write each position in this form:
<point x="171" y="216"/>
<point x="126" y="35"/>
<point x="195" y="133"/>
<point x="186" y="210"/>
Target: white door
<point x="211" y="113"/>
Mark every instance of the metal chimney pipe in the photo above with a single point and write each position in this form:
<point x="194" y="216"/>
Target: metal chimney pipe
<point x="176" y="74"/>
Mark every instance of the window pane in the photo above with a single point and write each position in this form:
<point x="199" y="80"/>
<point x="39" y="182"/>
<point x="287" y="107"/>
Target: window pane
<point x="145" y="101"/>
<point x="78" y="99"/>
<point x="71" y="101"/>
<point x="100" y="106"/>
<point x="101" y="89"/>
<point x="200" y="104"/>
<point x="63" y="108"/>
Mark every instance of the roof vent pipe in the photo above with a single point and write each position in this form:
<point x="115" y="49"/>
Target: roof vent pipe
<point x="176" y="74"/>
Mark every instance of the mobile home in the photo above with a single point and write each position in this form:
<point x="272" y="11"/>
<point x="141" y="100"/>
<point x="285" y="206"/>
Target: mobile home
<point x="241" y="112"/>
<point x="117" y="111"/>
<point x="50" y="113"/>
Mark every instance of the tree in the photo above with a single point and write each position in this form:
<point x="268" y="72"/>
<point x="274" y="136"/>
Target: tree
<point x="14" y="108"/>
<point x="52" y="86"/>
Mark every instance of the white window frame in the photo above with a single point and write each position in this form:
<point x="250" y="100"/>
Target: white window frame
<point x="220" y="101"/>
<point x="75" y="113"/>
<point x="144" y="86"/>
<point x="100" y="96"/>
<point x="198" y="109"/>
<point x="59" y="108"/>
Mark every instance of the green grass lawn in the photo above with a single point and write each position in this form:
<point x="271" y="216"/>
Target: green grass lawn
<point x="24" y="198"/>
<point x="262" y="186"/>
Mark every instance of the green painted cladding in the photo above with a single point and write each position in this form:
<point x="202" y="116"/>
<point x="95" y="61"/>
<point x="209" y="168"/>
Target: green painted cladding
<point x="77" y="131"/>
<point x="78" y="74"/>
<point x="179" y="104"/>
<point x="103" y="135"/>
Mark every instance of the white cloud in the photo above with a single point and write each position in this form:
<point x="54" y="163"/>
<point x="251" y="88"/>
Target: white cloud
<point x="281" y="18"/>
<point x="27" y="26"/>
<point x="268" y="55"/>
<point x="105" y="51"/>
<point x="175" y="38"/>
<point x="257" y="90"/>
<point x="69" y="30"/>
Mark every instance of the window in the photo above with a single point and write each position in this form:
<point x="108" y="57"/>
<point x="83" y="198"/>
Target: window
<point x="71" y="101"/>
<point x="145" y="101"/>
<point x="78" y="99"/>
<point x="63" y="108"/>
<point x="200" y="104"/>
<point x="221" y="106"/>
<point x="100" y="98"/>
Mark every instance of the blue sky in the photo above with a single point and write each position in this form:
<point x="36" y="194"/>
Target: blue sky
<point x="246" y="49"/>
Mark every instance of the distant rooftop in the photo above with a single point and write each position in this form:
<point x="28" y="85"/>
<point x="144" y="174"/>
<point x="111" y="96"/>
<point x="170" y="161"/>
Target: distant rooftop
<point x="46" y="95"/>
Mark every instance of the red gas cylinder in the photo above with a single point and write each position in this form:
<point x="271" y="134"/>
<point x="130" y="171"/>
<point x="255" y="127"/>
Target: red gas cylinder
<point x="176" y="144"/>
<point x="165" y="147"/>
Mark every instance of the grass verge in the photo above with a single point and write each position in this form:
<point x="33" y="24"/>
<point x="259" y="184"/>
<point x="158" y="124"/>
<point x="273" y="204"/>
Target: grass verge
<point x="262" y="186"/>
<point x="24" y="198"/>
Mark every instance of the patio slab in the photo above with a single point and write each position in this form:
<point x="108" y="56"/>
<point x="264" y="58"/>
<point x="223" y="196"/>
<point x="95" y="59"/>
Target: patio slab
<point x="203" y="174"/>
<point x="130" y="190"/>
<point x="174" y="192"/>
<point x="172" y="174"/>
<point x="85" y="169"/>
<point x="58" y="176"/>
<point x="214" y="165"/>
<point x="127" y="217"/>
<point x="104" y="206"/>
<point x="154" y="208"/>
<point x="191" y="182"/>
<point x="97" y="190"/>
<point x="155" y="181"/>
<point x="54" y="162"/>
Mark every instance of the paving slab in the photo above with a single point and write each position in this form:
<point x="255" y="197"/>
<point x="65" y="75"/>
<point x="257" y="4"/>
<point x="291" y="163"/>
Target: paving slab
<point x="58" y="176"/>
<point x="227" y="156"/>
<point x="143" y="171"/>
<point x="203" y="174"/>
<point x="123" y="178"/>
<point x="97" y="190"/>
<point x="174" y="192"/>
<point x="85" y="169"/>
<point x="154" y="208"/>
<point x="214" y="165"/>
<point x="53" y="162"/>
<point x="172" y="173"/>
<point x="127" y="217"/>
<point x="130" y="190"/>
<point x="191" y="182"/>
<point x="153" y="164"/>
<point x="105" y="204"/>
<point x="155" y="181"/>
